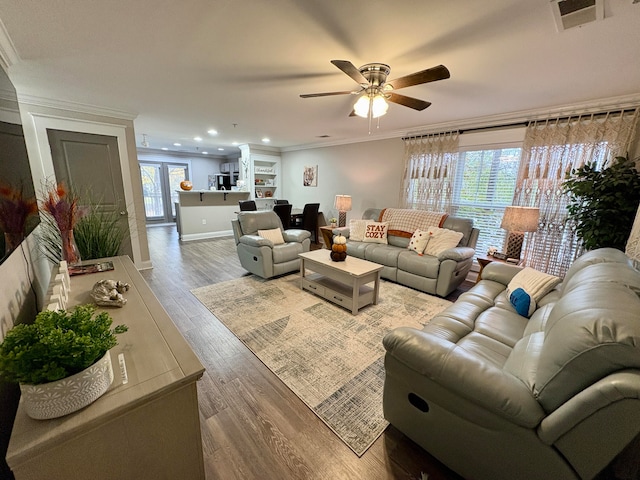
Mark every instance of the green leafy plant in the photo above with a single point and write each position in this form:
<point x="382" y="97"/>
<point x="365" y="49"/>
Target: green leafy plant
<point x="603" y="203"/>
<point x="57" y="345"/>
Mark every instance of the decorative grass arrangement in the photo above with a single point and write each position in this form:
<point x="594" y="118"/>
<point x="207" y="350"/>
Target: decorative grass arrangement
<point x="98" y="233"/>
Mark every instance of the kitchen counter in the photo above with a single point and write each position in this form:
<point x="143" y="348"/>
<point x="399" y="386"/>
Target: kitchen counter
<point x="206" y="213"/>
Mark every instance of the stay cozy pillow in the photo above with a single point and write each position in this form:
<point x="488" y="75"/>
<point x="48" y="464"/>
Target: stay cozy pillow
<point x="376" y="232"/>
<point x="356" y="229"/>
<point x="528" y="287"/>
<point x="419" y="241"/>
<point x="441" y="239"/>
<point x="274" y="235"/>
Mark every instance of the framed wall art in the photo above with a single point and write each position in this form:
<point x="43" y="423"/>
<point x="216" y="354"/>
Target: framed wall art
<point x="310" y="176"/>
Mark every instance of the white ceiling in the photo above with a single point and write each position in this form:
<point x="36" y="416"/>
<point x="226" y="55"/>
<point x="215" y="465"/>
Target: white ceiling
<point x="184" y="67"/>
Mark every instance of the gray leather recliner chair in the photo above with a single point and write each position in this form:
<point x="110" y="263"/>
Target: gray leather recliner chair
<point x="259" y="255"/>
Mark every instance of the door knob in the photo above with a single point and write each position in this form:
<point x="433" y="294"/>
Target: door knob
<point x="123" y="212"/>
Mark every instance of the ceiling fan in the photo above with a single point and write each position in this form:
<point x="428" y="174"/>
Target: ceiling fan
<point x="376" y="90"/>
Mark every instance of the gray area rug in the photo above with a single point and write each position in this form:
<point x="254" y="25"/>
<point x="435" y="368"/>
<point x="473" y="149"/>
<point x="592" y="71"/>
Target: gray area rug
<point x="332" y="360"/>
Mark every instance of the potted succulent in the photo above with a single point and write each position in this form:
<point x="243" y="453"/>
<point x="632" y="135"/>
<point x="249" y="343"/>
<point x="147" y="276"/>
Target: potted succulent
<point x="333" y="221"/>
<point x="61" y="360"/>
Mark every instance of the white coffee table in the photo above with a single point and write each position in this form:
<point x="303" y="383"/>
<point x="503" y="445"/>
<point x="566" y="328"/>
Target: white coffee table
<point x="343" y="283"/>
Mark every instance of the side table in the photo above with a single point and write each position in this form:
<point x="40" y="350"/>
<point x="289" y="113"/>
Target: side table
<point x="327" y="235"/>
<point x="485" y="260"/>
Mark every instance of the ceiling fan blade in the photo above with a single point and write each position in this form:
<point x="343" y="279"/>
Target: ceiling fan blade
<point x="410" y="102"/>
<point x="350" y="69"/>
<point x="327" y="94"/>
<point x="425" y="76"/>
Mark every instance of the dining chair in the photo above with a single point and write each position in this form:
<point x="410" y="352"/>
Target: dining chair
<point x="309" y="219"/>
<point x="247" y="205"/>
<point x="284" y="212"/>
<point x="282" y="202"/>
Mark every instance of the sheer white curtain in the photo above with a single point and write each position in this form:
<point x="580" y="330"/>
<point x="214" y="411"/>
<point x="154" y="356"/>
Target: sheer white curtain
<point x="551" y="149"/>
<point x="429" y="172"/>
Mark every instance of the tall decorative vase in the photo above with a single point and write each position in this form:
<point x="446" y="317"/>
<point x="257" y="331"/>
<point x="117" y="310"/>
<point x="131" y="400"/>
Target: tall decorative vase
<point x="70" y="251"/>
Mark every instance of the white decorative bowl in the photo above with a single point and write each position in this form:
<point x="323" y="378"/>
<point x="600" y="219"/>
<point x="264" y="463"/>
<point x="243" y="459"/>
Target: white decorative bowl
<point x="64" y="396"/>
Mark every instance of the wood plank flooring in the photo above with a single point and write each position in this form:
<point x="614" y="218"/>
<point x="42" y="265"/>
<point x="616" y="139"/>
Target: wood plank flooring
<point x="253" y="426"/>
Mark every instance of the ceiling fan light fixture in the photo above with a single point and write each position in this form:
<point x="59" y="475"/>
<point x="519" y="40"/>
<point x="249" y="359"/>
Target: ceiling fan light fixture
<point x="361" y="107"/>
<point x="379" y="106"/>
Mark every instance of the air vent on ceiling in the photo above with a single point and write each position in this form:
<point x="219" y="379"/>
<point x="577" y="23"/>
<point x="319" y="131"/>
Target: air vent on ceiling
<point x="574" y="13"/>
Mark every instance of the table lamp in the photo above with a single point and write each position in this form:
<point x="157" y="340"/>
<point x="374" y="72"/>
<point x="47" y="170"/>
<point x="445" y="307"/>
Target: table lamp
<point x="343" y="205"/>
<point x="516" y="221"/>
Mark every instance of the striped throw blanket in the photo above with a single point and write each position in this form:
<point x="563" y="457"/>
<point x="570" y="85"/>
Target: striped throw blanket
<point x="403" y="221"/>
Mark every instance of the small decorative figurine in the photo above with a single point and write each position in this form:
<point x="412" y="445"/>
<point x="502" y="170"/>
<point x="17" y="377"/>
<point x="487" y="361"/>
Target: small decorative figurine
<point x="108" y="293"/>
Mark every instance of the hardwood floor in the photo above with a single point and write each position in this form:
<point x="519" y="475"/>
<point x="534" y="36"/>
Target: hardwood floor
<point x="253" y="426"/>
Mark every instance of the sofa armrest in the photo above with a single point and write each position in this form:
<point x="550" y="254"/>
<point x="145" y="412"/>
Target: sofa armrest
<point x="456" y="254"/>
<point x="465" y="374"/>
<point x="295" y="235"/>
<point x="255" y="241"/>
<point x="617" y="387"/>
<point x="500" y="272"/>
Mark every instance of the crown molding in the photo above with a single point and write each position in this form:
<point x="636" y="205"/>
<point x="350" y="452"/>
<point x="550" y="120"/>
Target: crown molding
<point x="592" y="106"/>
<point x="8" y="53"/>
<point x="75" y="107"/>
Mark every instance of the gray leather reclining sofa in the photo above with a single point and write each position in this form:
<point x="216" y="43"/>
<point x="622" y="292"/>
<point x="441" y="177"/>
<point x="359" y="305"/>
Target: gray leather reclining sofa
<point x="495" y="395"/>
<point x="439" y="275"/>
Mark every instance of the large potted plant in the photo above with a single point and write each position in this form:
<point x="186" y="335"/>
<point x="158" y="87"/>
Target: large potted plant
<point x="603" y="203"/>
<point x="61" y="360"/>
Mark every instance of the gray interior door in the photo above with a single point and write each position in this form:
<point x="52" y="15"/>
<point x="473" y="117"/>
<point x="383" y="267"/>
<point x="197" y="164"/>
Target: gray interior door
<point x="88" y="162"/>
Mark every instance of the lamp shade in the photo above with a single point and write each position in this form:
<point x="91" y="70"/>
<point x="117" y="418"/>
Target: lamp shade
<point x="520" y="219"/>
<point x="343" y="203"/>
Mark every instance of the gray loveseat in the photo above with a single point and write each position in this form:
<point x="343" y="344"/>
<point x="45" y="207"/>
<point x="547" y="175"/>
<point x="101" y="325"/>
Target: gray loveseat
<point x="495" y="395"/>
<point x="258" y="254"/>
<point x="439" y="275"/>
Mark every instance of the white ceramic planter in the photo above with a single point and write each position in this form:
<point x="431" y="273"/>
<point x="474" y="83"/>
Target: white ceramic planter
<point x="64" y="396"/>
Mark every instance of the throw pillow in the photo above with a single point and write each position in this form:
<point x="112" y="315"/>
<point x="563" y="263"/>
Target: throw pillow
<point x="376" y="232"/>
<point x="522" y="302"/>
<point x="356" y="229"/>
<point x="536" y="284"/>
<point x="275" y="235"/>
<point x="441" y="239"/>
<point x="418" y="241"/>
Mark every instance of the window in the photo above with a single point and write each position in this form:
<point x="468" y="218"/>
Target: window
<point x="484" y="186"/>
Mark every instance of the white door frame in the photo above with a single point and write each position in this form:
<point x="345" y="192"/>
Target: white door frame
<point x="41" y="122"/>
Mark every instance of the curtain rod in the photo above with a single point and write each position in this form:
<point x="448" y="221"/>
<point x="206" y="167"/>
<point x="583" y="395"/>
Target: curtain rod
<point x="523" y="123"/>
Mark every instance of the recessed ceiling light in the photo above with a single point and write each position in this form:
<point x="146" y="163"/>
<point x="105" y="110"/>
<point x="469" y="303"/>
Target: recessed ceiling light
<point x="197" y="139"/>
<point x="221" y="149"/>
<point x="266" y="140"/>
<point x="212" y="132"/>
<point x="177" y="144"/>
<point x="164" y="148"/>
<point x="205" y="153"/>
<point x="234" y="143"/>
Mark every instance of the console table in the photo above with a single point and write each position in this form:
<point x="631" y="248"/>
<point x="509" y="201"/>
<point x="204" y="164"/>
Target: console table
<point x="146" y="428"/>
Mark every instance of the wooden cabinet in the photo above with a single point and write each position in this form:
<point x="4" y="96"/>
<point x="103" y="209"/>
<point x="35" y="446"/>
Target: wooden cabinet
<point x="146" y="428"/>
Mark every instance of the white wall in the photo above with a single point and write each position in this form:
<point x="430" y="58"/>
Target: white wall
<point x="370" y="172"/>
